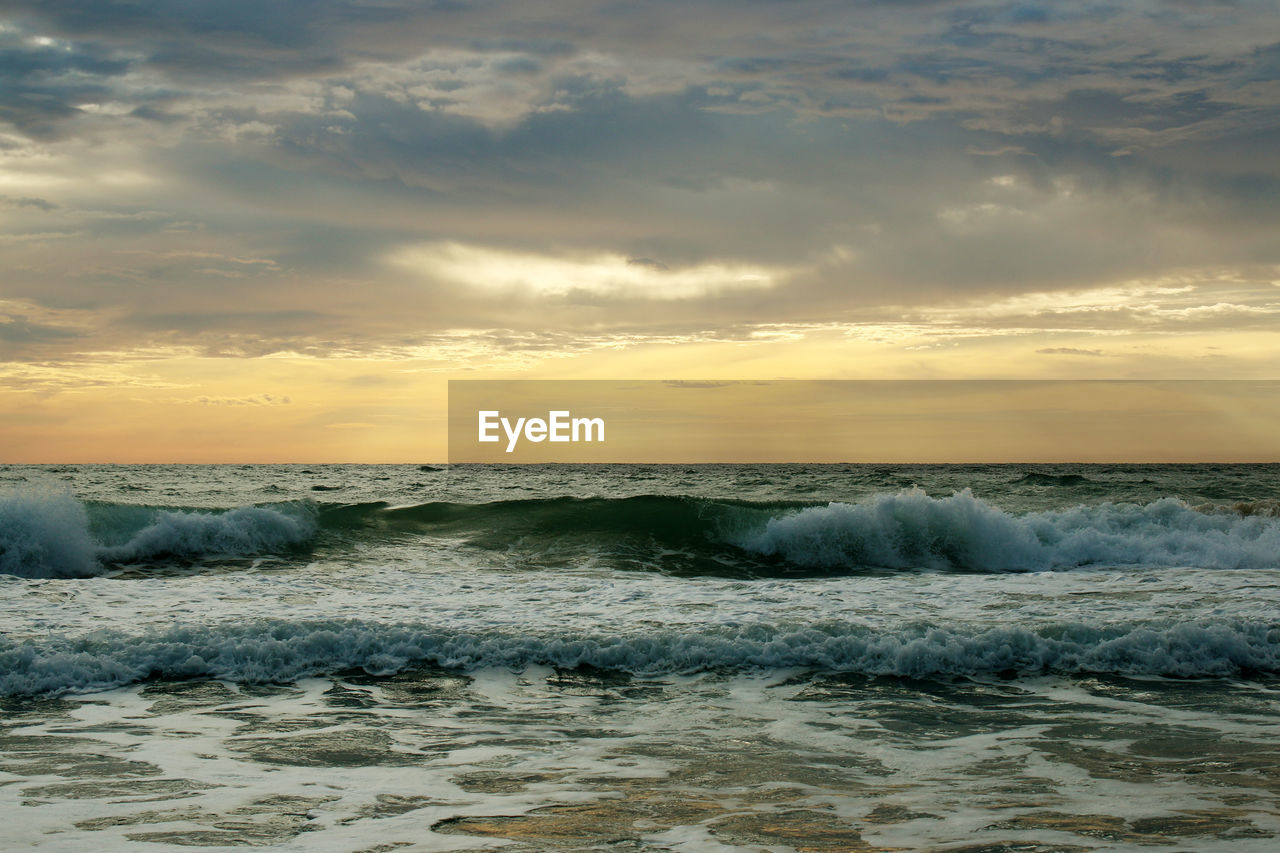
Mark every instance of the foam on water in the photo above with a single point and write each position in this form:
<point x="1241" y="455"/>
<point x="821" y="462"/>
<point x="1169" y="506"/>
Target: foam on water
<point x="281" y="651"/>
<point x="52" y="535"/>
<point x="488" y="674"/>
<point x="238" y="532"/>
<point x="45" y="535"/>
<point x="48" y="534"/>
<point x="910" y="529"/>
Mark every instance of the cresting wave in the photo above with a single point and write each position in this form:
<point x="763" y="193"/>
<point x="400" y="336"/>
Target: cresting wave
<point x="1037" y="478"/>
<point x="912" y="530"/>
<point x="56" y="536"/>
<point x="283" y="652"/>
<point x="52" y="535"/>
<point x="43" y="536"/>
<point x="903" y="530"/>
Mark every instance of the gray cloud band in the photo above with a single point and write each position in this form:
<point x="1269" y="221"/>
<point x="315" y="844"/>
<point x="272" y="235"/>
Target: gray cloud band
<point x="863" y="161"/>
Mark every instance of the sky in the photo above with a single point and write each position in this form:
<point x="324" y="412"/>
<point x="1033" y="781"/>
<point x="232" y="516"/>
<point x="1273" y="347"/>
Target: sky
<point x="235" y="231"/>
<point x="863" y="421"/>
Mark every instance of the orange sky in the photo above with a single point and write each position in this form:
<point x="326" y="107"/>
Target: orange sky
<point x="875" y="421"/>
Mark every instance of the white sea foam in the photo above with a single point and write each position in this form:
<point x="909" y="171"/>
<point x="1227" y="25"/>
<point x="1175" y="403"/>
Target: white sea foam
<point x="912" y="530"/>
<point x="48" y="534"/>
<point x="45" y="535"/>
<point x="278" y="651"/>
<point x="242" y="531"/>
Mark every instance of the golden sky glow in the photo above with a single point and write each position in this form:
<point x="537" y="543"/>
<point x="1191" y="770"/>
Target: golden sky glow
<point x="872" y="421"/>
<point x="276" y="237"/>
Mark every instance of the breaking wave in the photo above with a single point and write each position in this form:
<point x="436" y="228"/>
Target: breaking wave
<point x="1037" y="478"/>
<point x="912" y="530"/>
<point x="280" y="652"/>
<point x="45" y="535"/>
<point x="243" y="531"/>
<point x="57" y="536"/>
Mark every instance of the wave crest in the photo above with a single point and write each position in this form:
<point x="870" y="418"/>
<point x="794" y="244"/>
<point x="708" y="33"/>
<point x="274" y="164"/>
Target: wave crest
<point x="902" y="531"/>
<point x="284" y="651"/>
<point x="45" y="536"/>
<point x="912" y="530"/>
<point x="52" y="535"/>
<point x="239" y="532"/>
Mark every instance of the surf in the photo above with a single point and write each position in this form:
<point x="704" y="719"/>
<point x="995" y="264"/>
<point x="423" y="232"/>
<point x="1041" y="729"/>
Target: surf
<point x="281" y="651"/>
<point x="55" y="535"/>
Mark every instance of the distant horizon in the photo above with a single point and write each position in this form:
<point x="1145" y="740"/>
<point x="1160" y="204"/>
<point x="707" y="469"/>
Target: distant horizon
<point x="445" y="465"/>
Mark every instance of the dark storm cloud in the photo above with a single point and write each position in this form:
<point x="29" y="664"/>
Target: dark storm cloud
<point x="241" y="39"/>
<point x="600" y="128"/>
<point x="294" y="24"/>
<point x="42" y="84"/>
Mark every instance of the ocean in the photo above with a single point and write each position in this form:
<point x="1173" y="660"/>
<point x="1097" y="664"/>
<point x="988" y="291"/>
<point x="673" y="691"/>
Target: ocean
<point x="645" y="658"/>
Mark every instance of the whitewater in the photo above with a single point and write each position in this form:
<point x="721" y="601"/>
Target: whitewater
<point x="568" y="657"/>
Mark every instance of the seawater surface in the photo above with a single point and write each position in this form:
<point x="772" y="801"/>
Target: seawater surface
<point x="773" y="657"/>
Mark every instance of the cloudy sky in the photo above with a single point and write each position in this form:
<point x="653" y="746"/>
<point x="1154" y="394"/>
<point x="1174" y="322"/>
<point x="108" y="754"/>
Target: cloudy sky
<point x="272" y="232"/>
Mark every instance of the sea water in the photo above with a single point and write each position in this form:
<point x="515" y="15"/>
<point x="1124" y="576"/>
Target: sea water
<point x="773" y="657"/>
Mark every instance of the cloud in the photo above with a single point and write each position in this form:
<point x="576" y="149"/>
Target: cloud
<point x="574" y="276"/>
<point x="1070" y="351"/>
<point x="39" y="236"/>
<point x="55" y="377"/>
<point x="45" y="82"/>
<point x="648" y="262"/>
<point x="38" y="203"/>
<point x="19" y="329"/>
<point x="694" y="384"/>
<point x="339" y="178"/>
<point x="252" y="401"/>
<point x="29" y="330"/>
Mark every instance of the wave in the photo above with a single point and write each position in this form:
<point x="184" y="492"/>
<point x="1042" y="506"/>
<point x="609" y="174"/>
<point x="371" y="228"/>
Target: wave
<point x="56" y="536"/>
<point x="239" y="532"/>
<point x="1266" y="508"/>
<point x="1037" y="478"/>
<point x="912" y="530"/>
<point x="896" y="531"/>
<point x="45" y="535"/>
<point x="281" y="652"/>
